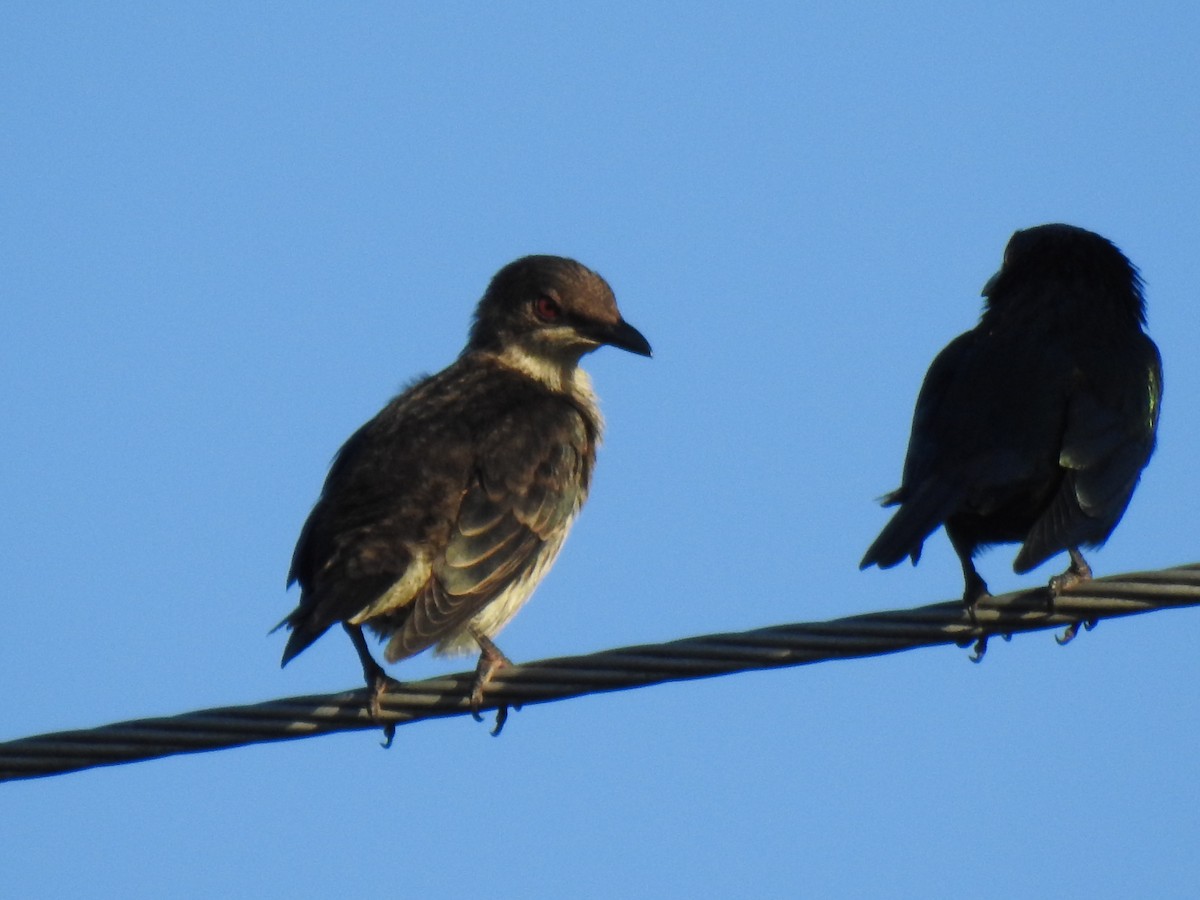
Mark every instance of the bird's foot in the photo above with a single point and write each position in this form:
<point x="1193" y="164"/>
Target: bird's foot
<point x="1077" y="573"/>
<point x="971" y="601"/>
<point x="972" y="597"/>
<point x="491" y="660"/>
<point x="377" y="680"/>
<point x="1066" y="581"/>
<point x="379" y="684"/>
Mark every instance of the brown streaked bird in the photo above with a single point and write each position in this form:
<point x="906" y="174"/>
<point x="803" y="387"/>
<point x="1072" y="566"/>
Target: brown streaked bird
<point x="1034" y="426"/>
<point x="440" y="515"/>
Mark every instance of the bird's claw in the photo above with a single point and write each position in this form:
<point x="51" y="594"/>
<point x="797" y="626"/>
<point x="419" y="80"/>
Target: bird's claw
<point x="975" y="593"/>
<point x="501" y="711"/>
<point x="490" y="660"/>
<point x="979" y="650"/>
<point x="1077" y="572"/>
<point x="476" y="699"/>
<point x="1073" y="631"/>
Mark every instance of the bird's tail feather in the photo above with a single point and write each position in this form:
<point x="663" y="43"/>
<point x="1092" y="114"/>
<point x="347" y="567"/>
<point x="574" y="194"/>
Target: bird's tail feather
<point x="919" y="515"/>
<point x="303" y="634"/>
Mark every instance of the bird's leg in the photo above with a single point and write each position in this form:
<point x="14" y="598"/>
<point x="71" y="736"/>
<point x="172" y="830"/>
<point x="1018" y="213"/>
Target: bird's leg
<point x="1077" y="572"/>
<point x="975" y="589"/>
<point x="377" y="680"/>
<point x="490" y="660"/>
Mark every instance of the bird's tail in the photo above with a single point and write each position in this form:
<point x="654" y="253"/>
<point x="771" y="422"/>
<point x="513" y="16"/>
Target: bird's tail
<point x="919" y="515"/>
<point x="304" y="632"/>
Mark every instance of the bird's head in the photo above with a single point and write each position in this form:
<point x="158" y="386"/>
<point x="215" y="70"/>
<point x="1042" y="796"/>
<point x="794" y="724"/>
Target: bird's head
<point x="1080" y="265"/>
<point x="549" y="311"/>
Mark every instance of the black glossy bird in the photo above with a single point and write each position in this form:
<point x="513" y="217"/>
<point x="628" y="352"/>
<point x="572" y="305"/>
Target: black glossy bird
<point x="1034" y="426"/>
<point x="440" y="515"/>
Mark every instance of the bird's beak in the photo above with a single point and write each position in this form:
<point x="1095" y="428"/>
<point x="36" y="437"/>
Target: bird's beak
<point x="991" y="284"/>
<point x="622" y="335"/>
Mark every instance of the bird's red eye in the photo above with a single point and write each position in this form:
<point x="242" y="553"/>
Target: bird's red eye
<point x="547" y="309"/>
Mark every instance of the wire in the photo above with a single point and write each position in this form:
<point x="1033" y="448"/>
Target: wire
<point x="872" y="634"/>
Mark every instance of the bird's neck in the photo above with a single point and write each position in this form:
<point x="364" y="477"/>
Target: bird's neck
<point x="560" y="374"/>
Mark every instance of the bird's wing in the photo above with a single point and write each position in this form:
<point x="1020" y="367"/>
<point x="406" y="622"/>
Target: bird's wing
<point x="1108" y="440"/>
<point x="935" y="418"/>
<point x="926" y="496"/>
<point x="350" y="502"/>
<point x="386" y="492"/>
<point x="531" y="478"/>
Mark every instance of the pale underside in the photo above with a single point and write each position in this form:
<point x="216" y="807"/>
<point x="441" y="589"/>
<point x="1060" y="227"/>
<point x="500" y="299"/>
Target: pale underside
<point x="489" y="620"/>
<point x="493" y="617"/>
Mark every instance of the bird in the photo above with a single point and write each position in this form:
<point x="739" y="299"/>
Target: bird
<point x="1034" y="426"/>
<point x="439" y="517"/>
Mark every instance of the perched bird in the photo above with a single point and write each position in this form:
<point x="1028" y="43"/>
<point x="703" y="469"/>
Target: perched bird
<point x="1034" y="426"/>
<point x="440" y="515"/>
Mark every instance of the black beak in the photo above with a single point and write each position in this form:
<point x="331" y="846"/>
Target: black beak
<point x="622" y="335"/>
<point x="991" y="285"/>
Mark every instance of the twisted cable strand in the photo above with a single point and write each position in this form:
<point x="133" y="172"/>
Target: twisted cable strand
<point x="872" y="634"/>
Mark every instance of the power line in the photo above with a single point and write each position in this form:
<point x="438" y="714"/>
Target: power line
<point x="872" y="634"/>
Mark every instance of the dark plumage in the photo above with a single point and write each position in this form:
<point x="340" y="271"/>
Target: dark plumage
<point x="1035" y="425"/>
<point x="441" y="514"/>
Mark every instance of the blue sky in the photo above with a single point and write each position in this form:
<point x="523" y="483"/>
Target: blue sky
<point x="229" y="234"/>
